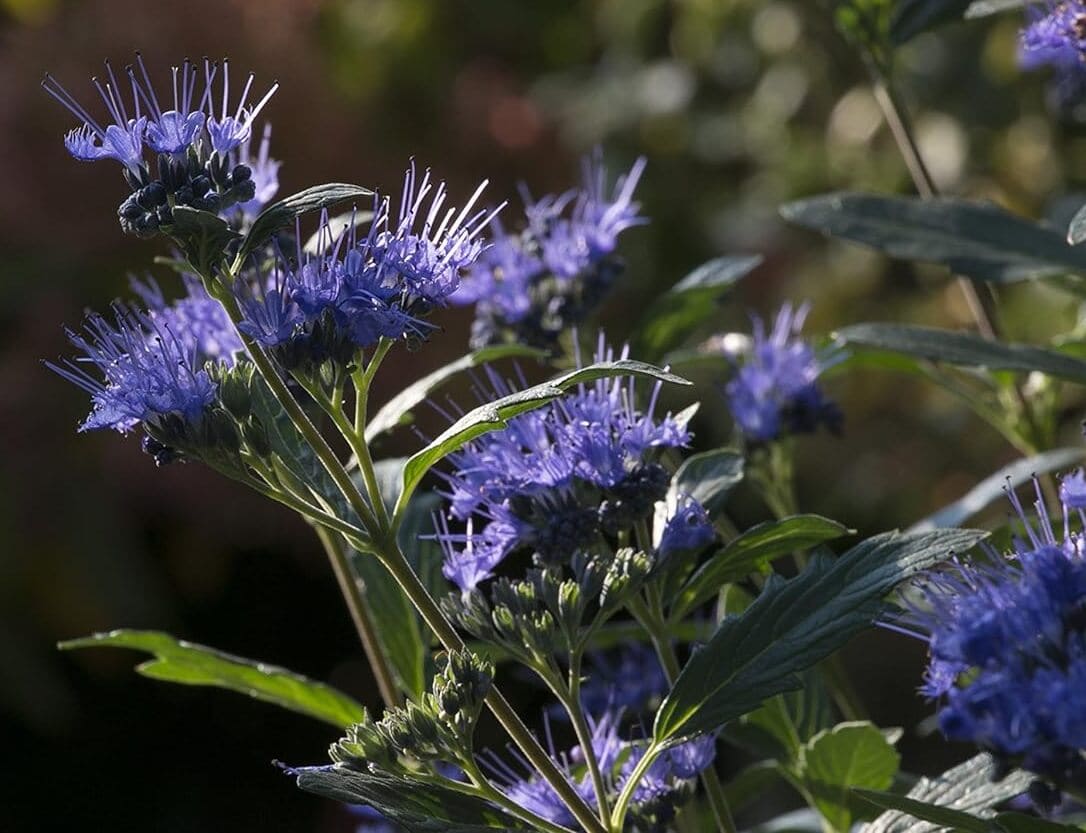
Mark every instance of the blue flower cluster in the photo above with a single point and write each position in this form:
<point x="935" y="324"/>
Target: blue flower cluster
<point x="363" y="286"/>
<point x="1008" y="645"/>
<point x="532" y="285"/>
<point x="775" y="389"/>
<point x="560" y="478"/>
<point x="190" y="149"/>
<point x="1055" y="36"/>
<point x="658" y="794"/>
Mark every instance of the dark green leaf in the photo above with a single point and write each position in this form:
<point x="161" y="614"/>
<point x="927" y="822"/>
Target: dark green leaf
<point x="943" y="817"/>
<point x="414" y="805"/>
<point x="978" y="240"/>
<point x="1076" y="232"/>
<point x="674" y="315"/>
<point x="992" y="488"/>
<point x="177" y="661"/>
<point x="751" y="552"/>
<point x="912" y="17"/>
<point x="397" y="411"/>
<point x="848" y="755"/>
<point x="494" y="415"/>
<point x="969" y="787"/>
<point x="202" y="236"/>
<point x="751" y="784"/>
<point x="708" y="477"/>
<point x="283" y="213"/>
<point x="794" y="624"/>
<point x="1021" y="823"/>
<point x="965" y="349"/>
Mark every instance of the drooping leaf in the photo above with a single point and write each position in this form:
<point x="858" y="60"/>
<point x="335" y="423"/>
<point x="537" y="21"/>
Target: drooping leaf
<point x="708" y="477"/>
<point x="202" y="236"/>
<point x="397" y="411"/>
<point x="912" y="17"/>
<point x="751" y="552"/>
<point x="416" y="806"/>
<point x="398" y="628"/>
<point x="675" y="314"/>
<point x="983" y="8"/>
<point x="935" y="814"/>
<point x="847" y="756"/>
<point x="177" y="661"/>
<point x="967" y="787"/>
<point x="494" y="415"/>
<point x="964" y="349"/>
<point x="992" y="487"/>
<point x="978" y="240"/>
<point x="283" y="213"/>
<point x="792" y="625"/>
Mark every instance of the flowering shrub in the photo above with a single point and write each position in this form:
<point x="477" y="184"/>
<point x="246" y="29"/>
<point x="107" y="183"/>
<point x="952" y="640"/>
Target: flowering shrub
<point x="572" y="530"/>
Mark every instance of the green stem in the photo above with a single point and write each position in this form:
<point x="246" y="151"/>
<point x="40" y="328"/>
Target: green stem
<point x="397" y="564"/>
<point x="362" y="380"/>
<point x="618" y="815"/>
<point x="356" y="604"/>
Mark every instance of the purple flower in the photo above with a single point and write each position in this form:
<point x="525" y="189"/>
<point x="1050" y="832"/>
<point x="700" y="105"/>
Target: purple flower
<point x="265" y="174"/>
<point x="145" y="372"/>
<point x="630" y="679"/>
<point x="774" y="390"/>
<point x="531" y="285"/>
<point x="687" y="528"/>
<point x="1008" y="648"/>
<point x="1055" y="35"/>
<point x="197" y="320"/>
<point x="556" y="479"/>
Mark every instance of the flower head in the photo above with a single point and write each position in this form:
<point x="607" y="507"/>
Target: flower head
<point x="533" y="284"/>
<point x="557" y="479"/>
<point x="197" y="320"/>
<point x="1008" y="649"/>
<point x="146" y="372"/>
<point x="1055" y="35"/>
<point x="775" y="387"/>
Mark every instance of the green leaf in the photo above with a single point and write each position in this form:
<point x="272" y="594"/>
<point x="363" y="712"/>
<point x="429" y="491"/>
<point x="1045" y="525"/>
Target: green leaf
<point x="708" y="477"/>
<point x="751" y="783"/>
<point x="783" y="724"/>
<point x="397" y="411"/>
<point x="177" y="661"/>
<point x="1021" y="823"/>
<point x="912" y="17"/>
<point x="978" y="240"/>
<point x="1076" y="232"/>
<point x="992" y="488"/>
<point x="415" y="805"/>
<point x="968" y="787"/>
<point x="792" y="625"/>
<point x="283" y="213"/>
<point x="965" y="349"/>
<point x="398" y="628"/>
<point x="494" y="415"/>
<point x="983" y="8"/>
<point x="751" y="552"/>
<point x="203" y="237"/>
<point x="674" y="315"/>
<point x="848" y="755"/>
<point x="943" y="817"/>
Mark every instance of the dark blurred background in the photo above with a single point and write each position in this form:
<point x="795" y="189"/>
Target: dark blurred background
<point x="738" y="105"/>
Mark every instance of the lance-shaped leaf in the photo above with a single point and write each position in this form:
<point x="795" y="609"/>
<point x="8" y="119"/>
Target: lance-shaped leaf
<point x="992" y="487"/>
<point x="963" y="349"/>
<point x="674" y="315"/>
<point x="794" y="624"/>
<point x="397" y="411"/>
<point x="942" y="817"/>
<point x="978" y="240"/>
<point x="283" y="213"/>
<point x="414" y="805"/>
<point x="912" y="17"/>
<point x="177" y="661"/>
<point x="708" y="477"/>
<point x="751" y="552"/>
<point x="494" y="415"/>
<point x="968" y="788"/>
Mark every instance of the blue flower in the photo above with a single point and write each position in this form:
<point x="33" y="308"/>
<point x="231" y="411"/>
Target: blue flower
<point x="688" y="528"/>
<point x="532" y="285"/>
<point x="658" y="789"/>
<point x="630" y="679"/>
<point x="1008" y="648"/>
<point x="269" y="315"/>
<point x="774" y="390"/>
<point x="265" y="174"/>
<point x="146" y="372"/>
<point x="197" y="320"/>
<point x="556" y="479"/>
<point x="1055" y="35"/>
